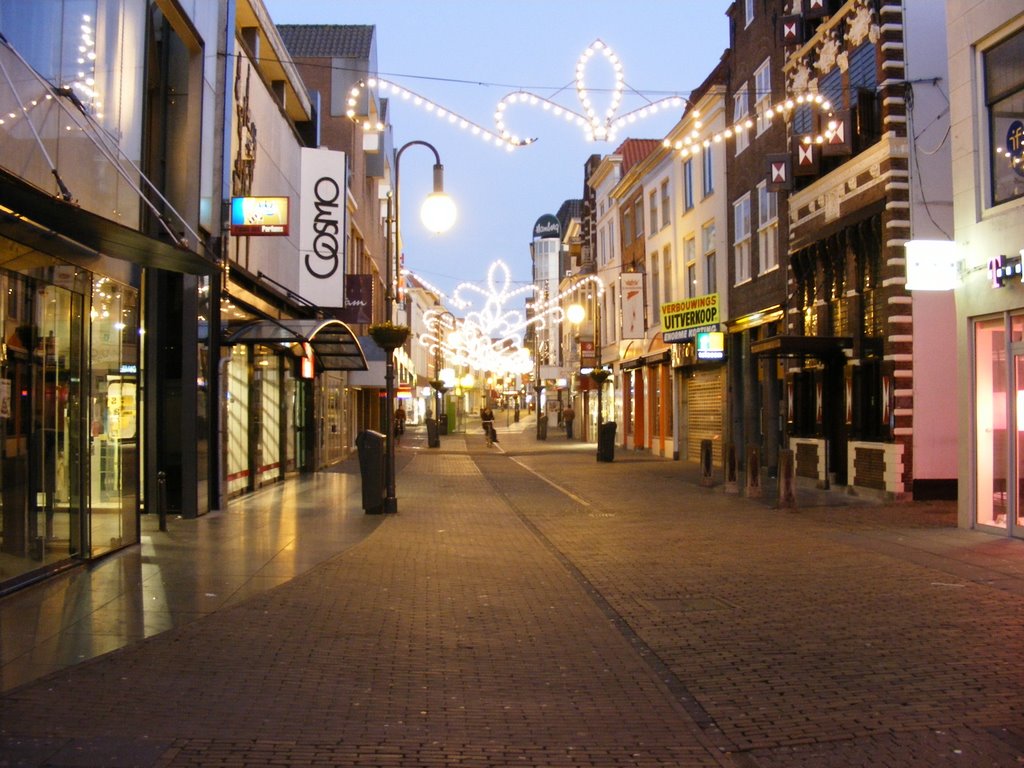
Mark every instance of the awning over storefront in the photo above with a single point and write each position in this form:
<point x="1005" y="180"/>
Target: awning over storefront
<point x="821" y="347"/>
<point x="32" y="217"/>
<point x="335" y="346"/>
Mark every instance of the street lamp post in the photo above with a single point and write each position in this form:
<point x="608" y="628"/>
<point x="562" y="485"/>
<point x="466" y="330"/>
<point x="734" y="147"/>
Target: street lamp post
<point x="439" y="389"/>
<point x="576" y="314"/>
<point x="438" y="215"/>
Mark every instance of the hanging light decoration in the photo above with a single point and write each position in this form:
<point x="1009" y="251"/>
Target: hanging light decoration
<point x="442" y="113"/>
<point x="695" y="141"/>
<point x="603" y="126"/>
<point x="490" y="335"/>
<point x="595" y="126"/>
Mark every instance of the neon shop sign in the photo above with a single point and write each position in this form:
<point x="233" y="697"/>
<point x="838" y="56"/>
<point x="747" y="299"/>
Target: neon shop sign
<point x="1004" y="269"/>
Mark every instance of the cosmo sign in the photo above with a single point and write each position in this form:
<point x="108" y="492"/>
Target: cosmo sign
<point x="322" y="227"/>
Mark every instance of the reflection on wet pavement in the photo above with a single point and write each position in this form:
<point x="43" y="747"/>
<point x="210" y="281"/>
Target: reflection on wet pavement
<point x="194" y="568"/>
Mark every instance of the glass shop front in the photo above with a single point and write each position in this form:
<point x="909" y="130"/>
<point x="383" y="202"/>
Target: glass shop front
<point x="69" y="416"/>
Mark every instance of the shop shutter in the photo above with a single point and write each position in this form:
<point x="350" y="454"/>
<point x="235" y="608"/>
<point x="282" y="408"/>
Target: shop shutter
<point x="705" y="412"/>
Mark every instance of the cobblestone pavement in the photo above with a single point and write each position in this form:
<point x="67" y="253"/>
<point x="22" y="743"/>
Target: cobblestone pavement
<point x="530" y="606"/>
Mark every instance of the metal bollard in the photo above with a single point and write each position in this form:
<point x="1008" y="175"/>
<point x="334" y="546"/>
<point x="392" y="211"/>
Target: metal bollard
<point x="753" y="472"/>
<point x="161" y="498"/>
<point x="731" y="486"/>
<point x="787" y="479"/>
<point x="706" y="466"/>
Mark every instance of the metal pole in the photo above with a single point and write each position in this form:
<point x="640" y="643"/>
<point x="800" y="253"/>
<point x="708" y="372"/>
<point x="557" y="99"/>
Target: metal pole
<point x="392" y="247"/>
<point x="597" y="353"/>
<point x="390" y="500"/>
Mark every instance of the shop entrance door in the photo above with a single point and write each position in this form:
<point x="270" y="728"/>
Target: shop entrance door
<point x="40" y="426"/>
<point x="1015" y="516"/>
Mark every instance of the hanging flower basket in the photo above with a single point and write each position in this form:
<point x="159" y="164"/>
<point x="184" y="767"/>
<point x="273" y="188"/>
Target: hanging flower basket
<point x="389" y="336"/>
<point x="438" y="385"/>
<point x="600" y="375"/>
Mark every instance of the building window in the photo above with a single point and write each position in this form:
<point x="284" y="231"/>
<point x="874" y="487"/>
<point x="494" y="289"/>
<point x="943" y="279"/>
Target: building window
<point x="707" y="158"/>
<point x="741" y="245"/>
<point x="767" y="229"/>
<point x="707" y="239"/>
<point x="763" y="96"/>
<point x="862" y="71"/>
<point x="803" y="120"/>
<point x="1004" y="101"/>
<point x="653" y="208"/>
<point x="864" y="97"/>
<point x="690" y="259"/>
<point x="748" y="12"/>
<point x="602" y="252"/>
<point x="655" y="282"/>
<point x="666" y="205"/>
<point x="627" y="227"/>
<point x="638" y="217"/>
<point x="810" y="313"/>
<point x="831" y="87"/>
<point x="740" y="110"/>
<point x="688" y="184"/>
<point x="666" y="258"/>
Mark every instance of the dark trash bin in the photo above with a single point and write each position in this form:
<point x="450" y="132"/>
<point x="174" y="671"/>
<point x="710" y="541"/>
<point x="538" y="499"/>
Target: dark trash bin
<point x="433" y="441"/>
<point x="370" y="446"/>
<point x="442" y="425"/>
<point x="542" y="427"/>
<point x="606" y="442"/>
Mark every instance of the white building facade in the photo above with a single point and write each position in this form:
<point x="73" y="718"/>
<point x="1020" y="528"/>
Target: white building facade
<point x="986" y="47"/>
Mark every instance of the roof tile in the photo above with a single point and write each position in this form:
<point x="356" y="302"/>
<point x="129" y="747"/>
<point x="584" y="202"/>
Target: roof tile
<point x="328" y="40"/>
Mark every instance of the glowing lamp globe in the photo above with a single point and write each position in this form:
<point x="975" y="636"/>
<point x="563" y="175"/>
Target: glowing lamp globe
<point x="438" y="212"/>
<point x="575" y="313"/>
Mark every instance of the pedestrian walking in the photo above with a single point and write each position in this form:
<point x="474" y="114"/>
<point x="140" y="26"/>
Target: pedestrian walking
<point x="400" y="417"/>
<point x="568" y="416"/>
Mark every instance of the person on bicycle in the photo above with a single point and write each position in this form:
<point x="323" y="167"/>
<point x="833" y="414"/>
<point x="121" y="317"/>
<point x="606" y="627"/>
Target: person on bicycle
<point x="487" y="420"/>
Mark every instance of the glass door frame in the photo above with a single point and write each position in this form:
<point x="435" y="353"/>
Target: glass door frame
<point x="1005" y="385"/>
<point x="1015" y="420"/>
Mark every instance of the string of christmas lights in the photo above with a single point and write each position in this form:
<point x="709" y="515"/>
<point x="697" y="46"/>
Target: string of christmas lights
<point x="490" y="336"/>
<point x="695" y="141"/>
<point x="429" y="106"/>
<point x="596" y="127"/>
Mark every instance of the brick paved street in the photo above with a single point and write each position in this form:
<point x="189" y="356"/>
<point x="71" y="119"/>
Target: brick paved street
<point x="530" y="606"/>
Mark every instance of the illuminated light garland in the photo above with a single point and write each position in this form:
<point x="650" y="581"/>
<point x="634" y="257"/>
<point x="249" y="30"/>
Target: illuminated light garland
<point x="490" y="337"/>
<point x="451" y="117"/>
<point x="694" y="141"/>
<point x="84" y="86"/>
<point x="595" y="127"/>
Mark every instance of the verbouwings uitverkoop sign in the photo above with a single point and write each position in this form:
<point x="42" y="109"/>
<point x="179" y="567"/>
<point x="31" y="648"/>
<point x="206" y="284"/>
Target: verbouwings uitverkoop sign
<point x="322" y="227"/>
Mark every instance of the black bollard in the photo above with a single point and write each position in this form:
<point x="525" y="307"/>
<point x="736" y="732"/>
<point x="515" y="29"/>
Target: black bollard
<point x="161" y="498"/>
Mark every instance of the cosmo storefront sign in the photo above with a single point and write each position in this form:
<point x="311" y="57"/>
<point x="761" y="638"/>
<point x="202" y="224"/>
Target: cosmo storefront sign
<point x="322" y="227"/>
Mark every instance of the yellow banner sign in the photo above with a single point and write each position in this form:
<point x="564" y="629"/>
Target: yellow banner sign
<point x="690" y="313"/>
